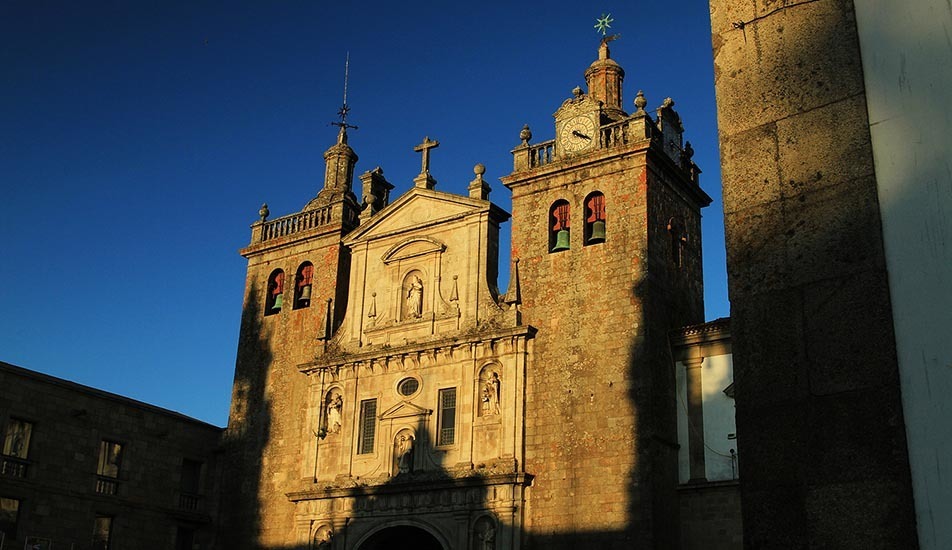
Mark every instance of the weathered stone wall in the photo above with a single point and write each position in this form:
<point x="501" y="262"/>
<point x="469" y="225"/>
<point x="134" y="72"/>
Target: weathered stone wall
<point x="598" y="442"/>
<point x="269" y="403"/>
<point x="58" y="495"/>
<point x="818" y="407"/>
<point x="580" y="419"/>
<point x="711" y="517"/>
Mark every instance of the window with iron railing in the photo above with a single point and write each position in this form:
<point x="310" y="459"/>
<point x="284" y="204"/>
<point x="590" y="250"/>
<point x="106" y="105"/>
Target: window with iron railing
<point x="190" y="495"/>
<point x="107" y="472"/>
<point x="16" y="447"/>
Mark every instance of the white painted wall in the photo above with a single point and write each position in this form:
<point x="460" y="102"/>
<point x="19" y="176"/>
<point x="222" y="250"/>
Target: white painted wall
<point x="907" y="63"/>
<point x="717" y="372"/>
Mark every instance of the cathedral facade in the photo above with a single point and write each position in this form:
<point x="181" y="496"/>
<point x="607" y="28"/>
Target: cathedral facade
<point x="431" y="410"/>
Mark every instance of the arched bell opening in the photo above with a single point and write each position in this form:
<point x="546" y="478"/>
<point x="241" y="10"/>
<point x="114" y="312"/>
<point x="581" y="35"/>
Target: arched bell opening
<point x="302" y="285"/>
<point x="559" y="225"/>
<point x="274" y="297"/>
<point x="594" y="218"/>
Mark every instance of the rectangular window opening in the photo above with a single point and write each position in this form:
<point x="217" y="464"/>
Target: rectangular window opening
<point x="102" y="533"/>
<point x="191" y="484"/>
<point x="368" y="426"/>
<point x="447" y="419"/>
<point x="9" y="512"/>
<point x="110" y="458"/>
<point x="16" y="442"/>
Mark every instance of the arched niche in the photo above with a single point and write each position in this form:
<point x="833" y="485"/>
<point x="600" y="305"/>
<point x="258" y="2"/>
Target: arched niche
<point x="332" y="412"/>
<point x="489" y="390"/>
<point x="404" y="452"/>
<point x="414" y="293"/>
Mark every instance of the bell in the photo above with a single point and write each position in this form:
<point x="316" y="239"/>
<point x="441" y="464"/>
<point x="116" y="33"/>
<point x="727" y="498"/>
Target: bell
<point x="561" y="241"/>
<point x="278" y="303"/>
<point x="305" y="294"/>
<point x="598" y="232"/>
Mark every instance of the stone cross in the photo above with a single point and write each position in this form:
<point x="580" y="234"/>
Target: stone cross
<point x="425" y="149"/>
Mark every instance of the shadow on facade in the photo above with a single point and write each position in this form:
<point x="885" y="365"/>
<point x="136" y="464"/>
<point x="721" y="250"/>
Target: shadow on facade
<point x="420" y="503"/>
<point x="247" y="434"/>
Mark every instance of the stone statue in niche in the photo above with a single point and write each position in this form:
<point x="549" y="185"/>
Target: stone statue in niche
<point x="403" y="453"/>
<point x="415" y="298"/>
<point x="485" y="535"/>
<point x="323" y="538"/>
<point x="335" y="403"/>
<point x="492" y="392"/>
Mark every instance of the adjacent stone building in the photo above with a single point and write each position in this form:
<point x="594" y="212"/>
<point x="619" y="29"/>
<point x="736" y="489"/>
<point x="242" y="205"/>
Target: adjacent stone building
<point x="835" y="137"/>
<point x="82" y="468"/>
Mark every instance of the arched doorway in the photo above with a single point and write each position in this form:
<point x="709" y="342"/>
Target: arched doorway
<point x="401" y="536"/>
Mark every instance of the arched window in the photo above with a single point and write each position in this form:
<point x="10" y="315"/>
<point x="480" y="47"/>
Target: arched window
<point x="595" y="218"/>
<point x="274" y="299"/>
<point x="559" y="223"/>
<point x="302" y="285"/>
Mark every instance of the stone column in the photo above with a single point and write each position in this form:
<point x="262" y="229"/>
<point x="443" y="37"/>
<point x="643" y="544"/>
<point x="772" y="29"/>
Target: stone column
<point x="695" y="418"/>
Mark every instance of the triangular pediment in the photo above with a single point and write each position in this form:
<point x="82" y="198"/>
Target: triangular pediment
<point x="415" y="209"/>
<point x="404" y="409"/>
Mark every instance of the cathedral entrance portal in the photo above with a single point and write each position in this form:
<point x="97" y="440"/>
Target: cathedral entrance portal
<point x="401" y="536"/>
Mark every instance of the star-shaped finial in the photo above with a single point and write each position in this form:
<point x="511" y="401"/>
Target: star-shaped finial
<point x="603" y="23"/>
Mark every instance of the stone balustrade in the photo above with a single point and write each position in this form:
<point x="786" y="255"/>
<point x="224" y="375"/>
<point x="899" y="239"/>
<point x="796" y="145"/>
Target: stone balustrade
<point x="527" y="157"/>
<point x="294" y="223"/>
<point x="623" y="132"/>
<point x="617" y="134"/>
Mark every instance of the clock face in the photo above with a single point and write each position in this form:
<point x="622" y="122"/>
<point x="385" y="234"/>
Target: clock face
<point x="578" y="134"/>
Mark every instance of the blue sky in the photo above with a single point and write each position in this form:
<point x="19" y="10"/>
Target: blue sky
<point x="139" y="140"/>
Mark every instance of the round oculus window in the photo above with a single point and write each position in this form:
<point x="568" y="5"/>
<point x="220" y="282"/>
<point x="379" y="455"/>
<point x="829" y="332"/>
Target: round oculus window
<point x="408" y="386"/>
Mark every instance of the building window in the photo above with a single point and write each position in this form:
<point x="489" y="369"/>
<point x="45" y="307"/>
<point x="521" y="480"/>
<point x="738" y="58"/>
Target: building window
<point x="9" y="512"/>
<point x="368" y="426"/>
<point x="184" y="538"/>
<point x="302" y="285"/>
<point x="16" y="447"/>
<point x="447" y="417"/>
<point x="16" y="443"/>
<point x="102" y="533"/>
<point x="595" y="218"/>
<point x="274" y="300"/>
<point x="408" y="386"/>
<point x="559" y="223"/>
<point x="110" y="459"/>
<point x="190" y="484"/>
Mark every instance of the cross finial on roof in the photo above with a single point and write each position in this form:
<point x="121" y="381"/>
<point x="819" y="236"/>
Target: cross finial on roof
<point x="425" y="149"/>
<point x="425" y="180"/>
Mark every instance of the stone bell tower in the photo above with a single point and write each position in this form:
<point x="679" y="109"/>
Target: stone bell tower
<point x="606" y="232"/>
<point x="295" y="295"/>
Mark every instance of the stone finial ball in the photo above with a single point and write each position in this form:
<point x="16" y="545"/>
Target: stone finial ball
<point x="525" y="135"/>
<point x="264" y="212"/>
<point x="577" y="91"/>
<point x="479" y="169"/>
<point x="640" y="100"/>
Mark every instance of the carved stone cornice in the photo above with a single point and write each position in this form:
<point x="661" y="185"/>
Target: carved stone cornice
<point x="485" y="342"/>
<point x="438" y="482"/>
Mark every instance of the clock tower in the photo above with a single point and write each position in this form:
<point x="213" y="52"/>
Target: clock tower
<point x="607" y="242"/>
